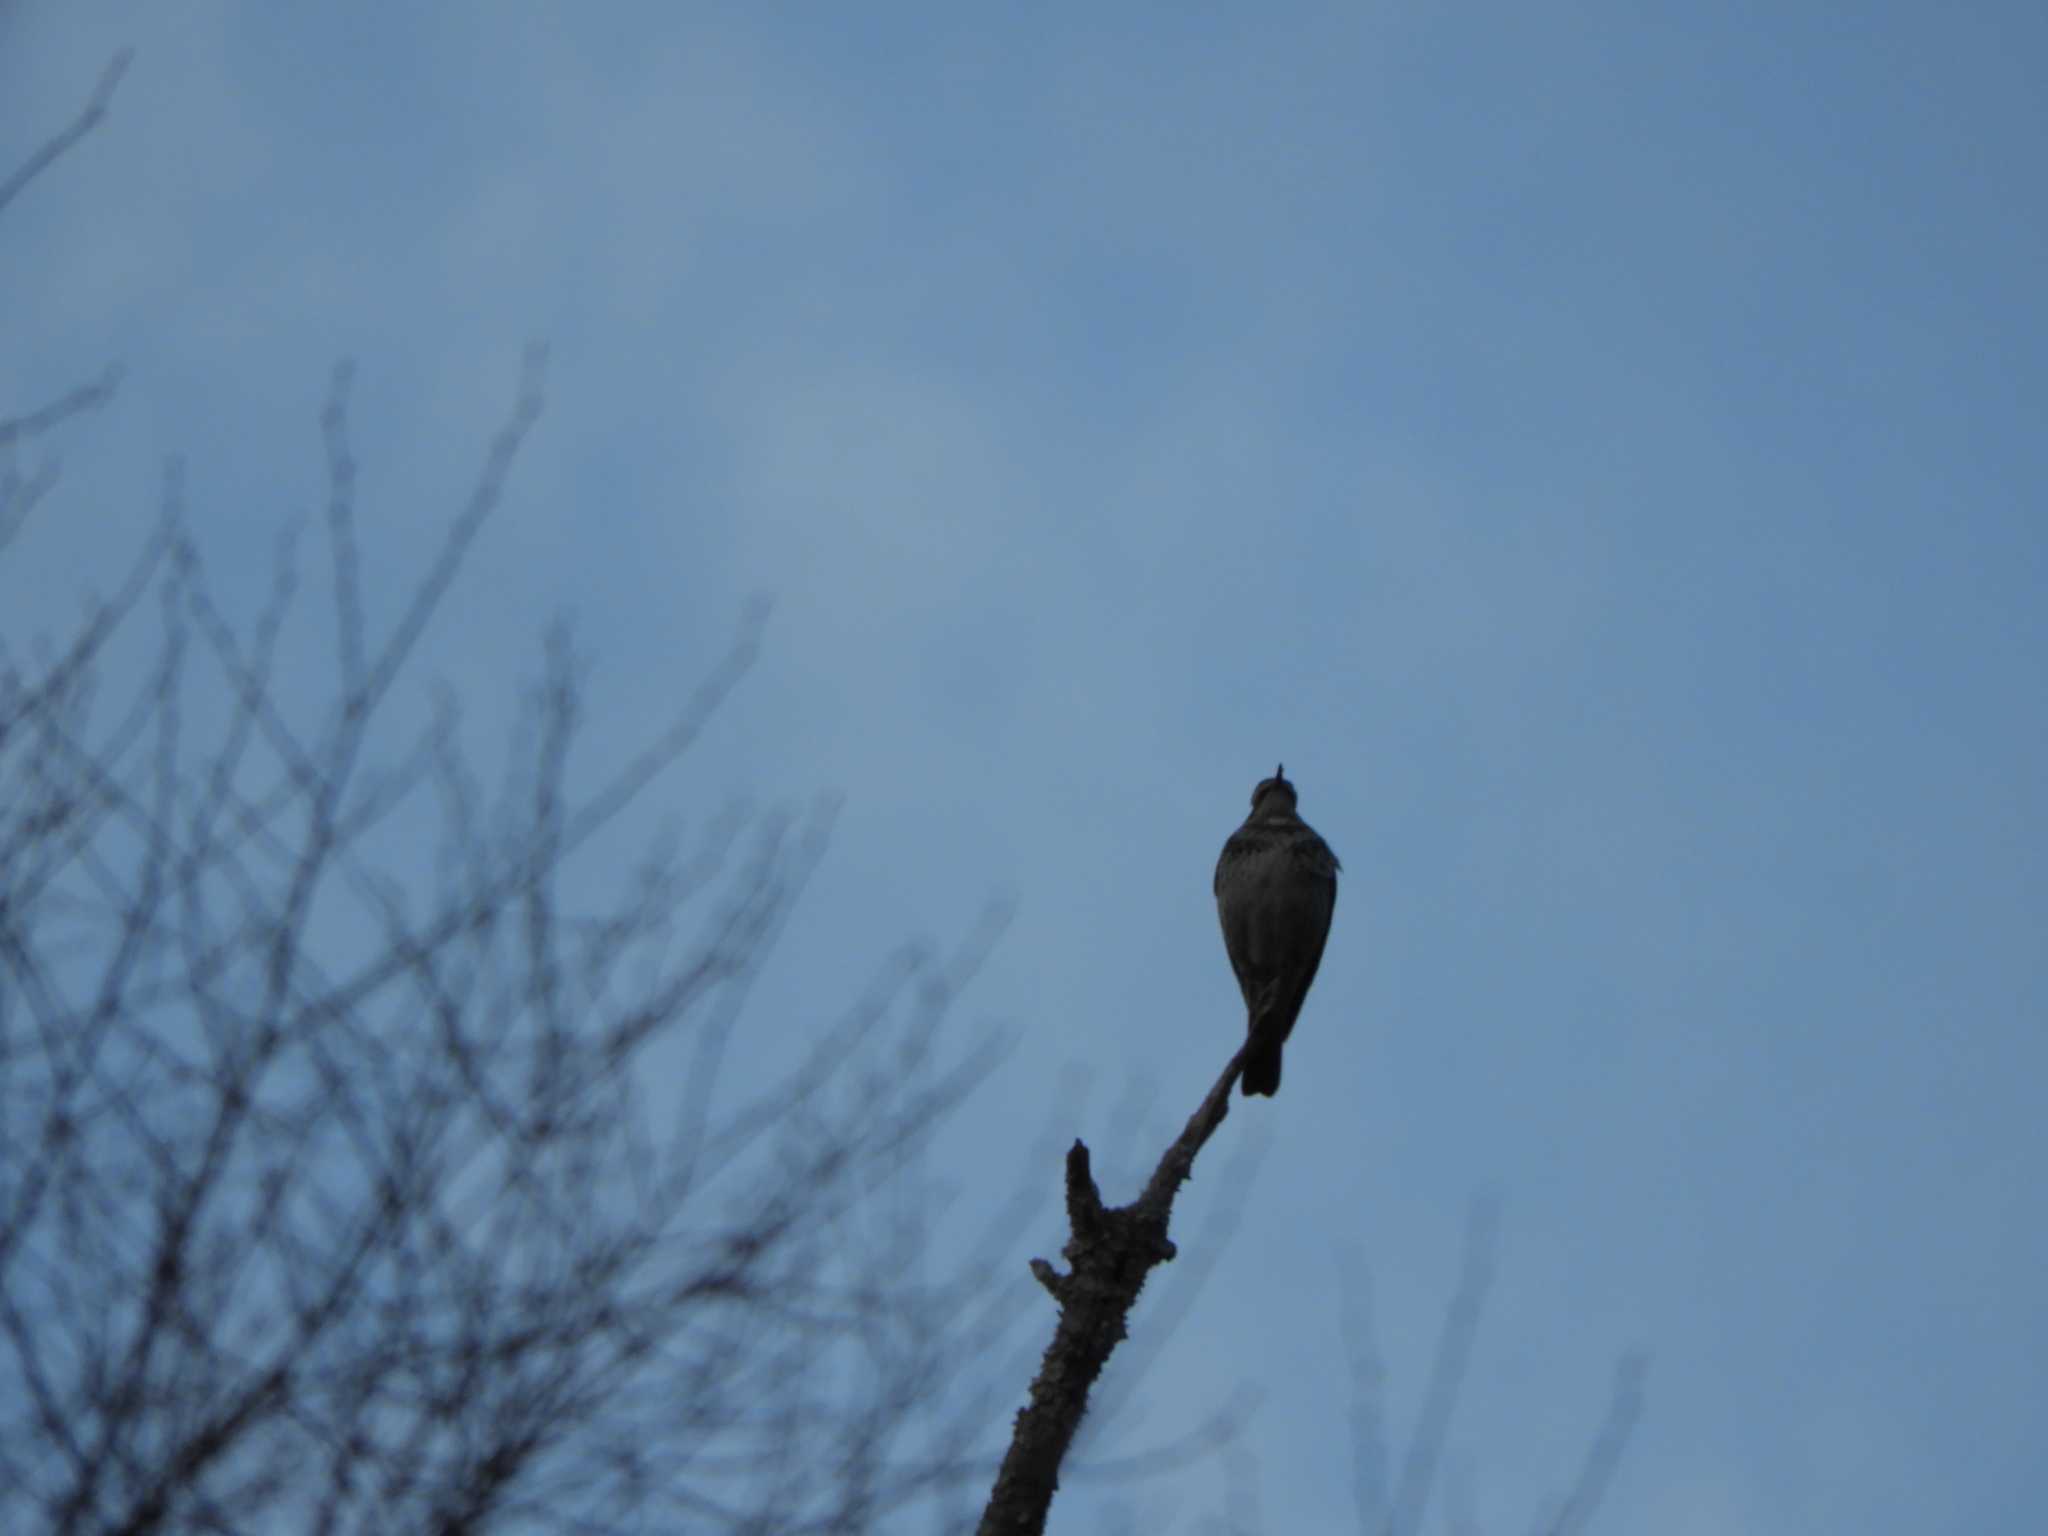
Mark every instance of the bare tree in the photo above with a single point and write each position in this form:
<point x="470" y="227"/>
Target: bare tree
<point x="1111" y="1253"/>
<point x="349" y="1189"/>
<point x="344" y="1189"/>
<point x="1395" y="1505"/>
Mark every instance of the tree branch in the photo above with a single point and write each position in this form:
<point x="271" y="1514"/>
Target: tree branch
<point x="55" y="148"/>
<point x="1112" y="1251"/>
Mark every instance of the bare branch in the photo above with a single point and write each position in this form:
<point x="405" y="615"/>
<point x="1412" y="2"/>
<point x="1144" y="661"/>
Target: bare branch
<point x="19" y="493"/>
<point x="1403" y="1510"/>
<point x="17" y="429"/>
<point x="1111" y="1252"/>
<point x="1624" y="1408"/>
<point x="55" y="148"/>
<point x="1447" y="1370"/>
<point x="405" y="1234"/>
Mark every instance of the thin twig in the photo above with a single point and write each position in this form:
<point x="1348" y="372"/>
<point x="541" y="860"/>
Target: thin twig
<point x="54" y="150"/>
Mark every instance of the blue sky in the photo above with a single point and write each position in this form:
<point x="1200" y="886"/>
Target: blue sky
<point x="1598" y="448"/>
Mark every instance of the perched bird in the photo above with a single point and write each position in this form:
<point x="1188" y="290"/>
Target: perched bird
<point x="1276" y="885"/>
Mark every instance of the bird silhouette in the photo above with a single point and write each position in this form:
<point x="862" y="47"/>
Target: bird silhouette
<point x="1276" y="886"/>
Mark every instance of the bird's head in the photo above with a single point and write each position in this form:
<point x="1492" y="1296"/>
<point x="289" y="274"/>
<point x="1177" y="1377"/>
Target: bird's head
<point x="1274" y="797"/>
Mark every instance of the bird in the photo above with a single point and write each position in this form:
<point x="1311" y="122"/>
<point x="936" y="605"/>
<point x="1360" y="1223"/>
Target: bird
<point x="1276" y="886"/>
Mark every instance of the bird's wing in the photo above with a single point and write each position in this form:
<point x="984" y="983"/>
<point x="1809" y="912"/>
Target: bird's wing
<point x="1234" y="908"/>
<point x="1294" y="926"/>
<point x="1300" y="928"/>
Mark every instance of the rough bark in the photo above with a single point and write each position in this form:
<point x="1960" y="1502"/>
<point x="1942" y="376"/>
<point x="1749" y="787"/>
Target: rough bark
<point x="1110" y="1253"/>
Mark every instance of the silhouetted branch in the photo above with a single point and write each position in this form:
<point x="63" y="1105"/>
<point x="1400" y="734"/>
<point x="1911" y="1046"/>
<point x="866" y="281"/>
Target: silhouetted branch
<point x="1624" y="1408"/>
<point x="1195" y="1265"/>
<point x="1111" y="1252"/>
<point x="19" y="493"/>
<point x="1401" y="1512"/>
<point x="1446" y="1371"/>
<point x="465" y="1218"/>
<point x="77" y="401"/>
<point x="53" y="149"/>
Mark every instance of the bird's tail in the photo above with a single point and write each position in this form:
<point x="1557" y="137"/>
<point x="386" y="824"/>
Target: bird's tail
<point x="1261" y="1067"/>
